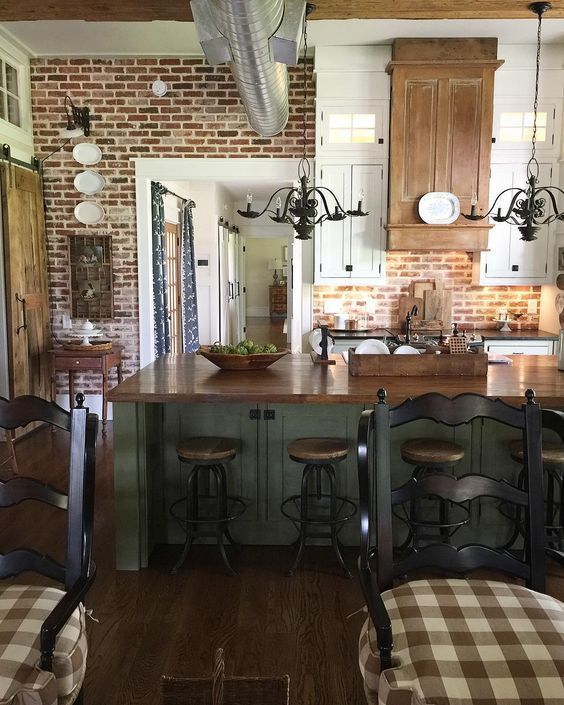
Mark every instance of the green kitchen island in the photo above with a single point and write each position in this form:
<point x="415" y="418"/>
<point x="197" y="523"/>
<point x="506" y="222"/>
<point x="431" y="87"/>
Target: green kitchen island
<point x="185" y="395"/>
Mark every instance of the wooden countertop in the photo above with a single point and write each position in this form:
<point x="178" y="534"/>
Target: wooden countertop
<point x="294" y="379"/>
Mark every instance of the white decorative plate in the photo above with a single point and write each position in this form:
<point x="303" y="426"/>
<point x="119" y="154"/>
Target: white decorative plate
<point x="439" y="208"/>
<point x="406" y="350"/>
<point x="89" y="212"/>
<point x="372" y="347"/>
<point x="89" y="182"/>
<point x="315" y="340"/>
<point x="86" y="153"/>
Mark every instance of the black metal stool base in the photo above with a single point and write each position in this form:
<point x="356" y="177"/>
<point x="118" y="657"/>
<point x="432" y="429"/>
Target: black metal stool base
<point x="340" y="510"/>
<point x="227" y="508"/>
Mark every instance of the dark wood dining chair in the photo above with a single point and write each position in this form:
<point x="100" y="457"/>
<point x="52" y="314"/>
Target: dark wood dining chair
<point x="42" y="627"/>
<point x="435" y="639"/>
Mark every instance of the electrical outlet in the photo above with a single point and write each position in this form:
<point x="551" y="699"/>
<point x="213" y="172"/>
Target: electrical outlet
<point x="532" y="306"/>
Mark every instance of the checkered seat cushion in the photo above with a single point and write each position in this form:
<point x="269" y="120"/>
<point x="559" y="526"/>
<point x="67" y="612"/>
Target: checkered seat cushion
<point x="475" y="642"/>
<point x="23" y="609"/>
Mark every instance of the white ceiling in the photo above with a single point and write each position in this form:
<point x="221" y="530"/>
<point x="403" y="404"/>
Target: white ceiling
<point x="79" y="38"/>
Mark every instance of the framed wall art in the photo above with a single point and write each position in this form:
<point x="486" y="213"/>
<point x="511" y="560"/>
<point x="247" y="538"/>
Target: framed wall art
<point x="91" y="280"/>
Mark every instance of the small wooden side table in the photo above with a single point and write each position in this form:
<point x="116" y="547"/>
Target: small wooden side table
<point x="72" y="361"/>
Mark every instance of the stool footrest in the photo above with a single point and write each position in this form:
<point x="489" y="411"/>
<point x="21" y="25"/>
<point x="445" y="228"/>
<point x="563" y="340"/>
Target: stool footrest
<point x="237" y="502"/>
<point x="299" y="519"/>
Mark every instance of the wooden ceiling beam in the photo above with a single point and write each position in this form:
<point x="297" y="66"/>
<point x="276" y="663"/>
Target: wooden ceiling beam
<point x="179" y="10"/>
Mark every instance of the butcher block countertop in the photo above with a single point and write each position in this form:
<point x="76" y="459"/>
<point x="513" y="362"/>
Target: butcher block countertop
<point x="295" y="379"/>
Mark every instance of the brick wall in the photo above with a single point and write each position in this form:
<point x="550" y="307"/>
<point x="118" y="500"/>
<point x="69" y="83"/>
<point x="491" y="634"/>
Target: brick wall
<point x="473" y="306"/>
<point x="200" y="117"/>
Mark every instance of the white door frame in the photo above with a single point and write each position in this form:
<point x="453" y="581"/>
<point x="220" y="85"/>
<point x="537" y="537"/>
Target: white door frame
<point x="181" y="169"/>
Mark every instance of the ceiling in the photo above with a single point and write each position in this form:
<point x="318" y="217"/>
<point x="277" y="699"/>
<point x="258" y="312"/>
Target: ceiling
<point x="155" y="28"/>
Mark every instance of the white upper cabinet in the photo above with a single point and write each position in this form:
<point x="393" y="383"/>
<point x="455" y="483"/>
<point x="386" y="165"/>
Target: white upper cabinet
<point x="353" y="248"/>
<point x="511" y="260"/>
<point x="513" y="127"/>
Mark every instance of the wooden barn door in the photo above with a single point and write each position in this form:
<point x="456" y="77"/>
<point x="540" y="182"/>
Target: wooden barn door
<point x="27" y="296"/>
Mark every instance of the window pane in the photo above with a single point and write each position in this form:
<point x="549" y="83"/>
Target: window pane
<point x="529" y="117"/>
<point x="1" y="73"/>
<point x="511" y="119"/>
<point x="340" y="136"/>
<point x="13" y="110"/>
<point x="528" y="134"/>
<point x="511" y="134"/>
<point x="2" y="106"/>
<point x="339" y="121"/>
<point x="364" y="121"/>
<point x="363" y="136"/>
<point x="12" y="79"/>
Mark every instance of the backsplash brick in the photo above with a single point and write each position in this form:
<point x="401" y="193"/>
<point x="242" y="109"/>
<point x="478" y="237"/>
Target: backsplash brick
<point x="473" y="306"/>
<point x="201" y="116"/>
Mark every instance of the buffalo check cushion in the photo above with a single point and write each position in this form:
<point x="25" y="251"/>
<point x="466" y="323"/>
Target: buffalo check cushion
<point x="23" y="609"/>
<point x="467" y="642"/>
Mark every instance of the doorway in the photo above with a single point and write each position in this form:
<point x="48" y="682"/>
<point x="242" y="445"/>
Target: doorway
<point x="206" y="181"/>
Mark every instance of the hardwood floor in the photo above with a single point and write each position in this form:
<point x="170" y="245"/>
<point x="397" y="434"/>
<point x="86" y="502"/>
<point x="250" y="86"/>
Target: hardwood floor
<point x="267" y="330"/>
<point x="152" y="623"/>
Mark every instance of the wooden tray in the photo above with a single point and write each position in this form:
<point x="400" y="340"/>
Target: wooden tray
<point x="426" y="365"/>
<point x="94" y="345"/>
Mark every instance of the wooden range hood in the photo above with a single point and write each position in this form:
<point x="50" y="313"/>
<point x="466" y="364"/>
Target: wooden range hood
<point x="440" y="138"/>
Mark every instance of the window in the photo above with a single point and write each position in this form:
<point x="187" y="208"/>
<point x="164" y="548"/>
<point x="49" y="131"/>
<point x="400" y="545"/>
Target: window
<point x="347" y="128"/>
<point x="10" y="94"/>
<point x="518" y="126"/>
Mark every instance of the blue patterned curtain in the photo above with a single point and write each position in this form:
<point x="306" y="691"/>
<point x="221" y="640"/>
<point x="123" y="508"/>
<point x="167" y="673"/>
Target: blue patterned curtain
<point x="189" y="303"/>
<point x="160" y="292"/>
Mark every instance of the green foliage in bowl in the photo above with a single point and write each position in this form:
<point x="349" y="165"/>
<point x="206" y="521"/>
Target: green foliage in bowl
<point x="244" y="347"/>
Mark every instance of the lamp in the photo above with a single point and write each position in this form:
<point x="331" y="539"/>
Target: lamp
<point x="275" y="264"/>
<point x="304" y="206"/>
<point x="528" y="206"/>
<point x="78" y="120"/>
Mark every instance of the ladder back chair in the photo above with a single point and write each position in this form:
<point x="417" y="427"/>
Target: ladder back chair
<point x="42" y="628"/>
<point x="448" y="640"/>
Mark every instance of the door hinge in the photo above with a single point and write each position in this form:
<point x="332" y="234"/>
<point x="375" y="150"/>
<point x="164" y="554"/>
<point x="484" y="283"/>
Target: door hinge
<point x="380" y="221"/>
<point x="254" y="414"/>
<point x="244" y="290"/>
<point x="244" y="329"/>
<point x="379" y="269"/>
<point x="486" y="267"/>
<point x="269" y="414"/>
<point x="322" y="114"/>
<point x="244" y="248"/>
<point x="321" y="174"/>
<point x="320" y="266"/>
<point x="546" y="268"/>
<point x="321" y="140"/>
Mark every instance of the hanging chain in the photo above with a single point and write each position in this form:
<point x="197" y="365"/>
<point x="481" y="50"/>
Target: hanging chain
<point x="536" y="102"/>
<point x="304" y="112"/>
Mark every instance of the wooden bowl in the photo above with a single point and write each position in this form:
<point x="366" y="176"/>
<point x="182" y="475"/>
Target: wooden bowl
<point x="228" y="361"/>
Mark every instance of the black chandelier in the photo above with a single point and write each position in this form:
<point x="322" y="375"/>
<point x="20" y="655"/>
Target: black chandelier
<point x="304" y="206"/>
<point x="528" y="206"/>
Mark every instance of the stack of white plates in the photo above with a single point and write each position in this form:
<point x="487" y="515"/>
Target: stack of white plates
<point x="372" y="347"/>
<point x="89" y="183"/>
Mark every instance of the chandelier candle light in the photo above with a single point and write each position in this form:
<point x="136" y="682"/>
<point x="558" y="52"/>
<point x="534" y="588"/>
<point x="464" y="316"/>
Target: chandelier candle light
<point x="304" y="206"/>
<point x="528" y="206"/>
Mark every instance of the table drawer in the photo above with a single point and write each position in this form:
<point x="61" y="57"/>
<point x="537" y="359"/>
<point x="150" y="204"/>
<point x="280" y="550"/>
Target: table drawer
<point x="78" y="363"/>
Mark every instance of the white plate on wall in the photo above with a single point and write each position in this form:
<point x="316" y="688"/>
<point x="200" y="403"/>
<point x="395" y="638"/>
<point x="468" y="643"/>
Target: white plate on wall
<point x="439" y="208"/>
<point x="372" y="347"/>
<point x="89" y="213"/>
<point x="86" y="153"/>
<point x="89" y="182"/>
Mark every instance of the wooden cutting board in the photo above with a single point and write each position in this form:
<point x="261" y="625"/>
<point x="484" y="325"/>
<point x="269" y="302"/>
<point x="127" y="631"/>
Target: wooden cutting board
<point x="438" y="306"/>
<point x="406" y="303"/>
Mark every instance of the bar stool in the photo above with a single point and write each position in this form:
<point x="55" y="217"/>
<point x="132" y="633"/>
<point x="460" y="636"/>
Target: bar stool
<point x="431" y="455"/>
<point x="553" y="467"/>
<point x="310" y="509"/>
<point x="207" y="457"/>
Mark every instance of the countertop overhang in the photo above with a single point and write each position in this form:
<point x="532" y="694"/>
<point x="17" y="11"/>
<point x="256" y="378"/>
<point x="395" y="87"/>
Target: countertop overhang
<point x="189" y="378"/>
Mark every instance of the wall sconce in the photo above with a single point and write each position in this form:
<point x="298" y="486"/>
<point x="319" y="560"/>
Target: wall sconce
<point x="78" y="120"/>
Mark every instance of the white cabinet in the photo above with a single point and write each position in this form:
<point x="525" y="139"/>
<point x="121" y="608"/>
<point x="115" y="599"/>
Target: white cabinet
<point x="352" y="128"/>
<point x="352" y="249"/>
<point x="520" y="347"/>
<point x="511" y="260"/>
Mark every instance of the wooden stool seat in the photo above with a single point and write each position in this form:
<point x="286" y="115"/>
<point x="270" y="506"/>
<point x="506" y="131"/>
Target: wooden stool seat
<point x="431" y="451"/>
<point x="552" y="453"/>
<point x="206" y="449"/>
<point x="312" y="450"/>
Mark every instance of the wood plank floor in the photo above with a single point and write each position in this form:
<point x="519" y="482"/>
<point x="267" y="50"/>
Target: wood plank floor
<point x="152" y="623"/>
<point x="267" y="330"/>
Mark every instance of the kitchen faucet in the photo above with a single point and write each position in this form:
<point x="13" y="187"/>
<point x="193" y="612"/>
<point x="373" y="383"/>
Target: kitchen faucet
<point x="414" y="311"/>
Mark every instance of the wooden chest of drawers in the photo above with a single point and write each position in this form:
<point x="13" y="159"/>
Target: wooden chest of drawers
<point x="277" y="301"/>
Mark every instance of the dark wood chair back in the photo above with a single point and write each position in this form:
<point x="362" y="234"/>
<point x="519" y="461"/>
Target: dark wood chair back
<point x="78" y="502"/>
<point x="377" y="497"/>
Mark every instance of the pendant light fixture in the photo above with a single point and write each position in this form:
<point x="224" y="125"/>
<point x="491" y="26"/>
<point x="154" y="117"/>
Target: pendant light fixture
<point x="303" y="206"/>
<point x="534" y="205"/>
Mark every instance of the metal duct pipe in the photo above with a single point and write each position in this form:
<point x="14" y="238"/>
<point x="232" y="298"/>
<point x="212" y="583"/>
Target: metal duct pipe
<point x="247" y="26"/>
